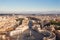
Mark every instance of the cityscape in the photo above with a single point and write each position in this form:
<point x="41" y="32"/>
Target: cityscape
<point x="33" y="27"/>
<point x="29" y="19"/>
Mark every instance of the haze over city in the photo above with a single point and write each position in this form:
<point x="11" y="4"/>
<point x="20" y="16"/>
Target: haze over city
<point x="29" y="5"/>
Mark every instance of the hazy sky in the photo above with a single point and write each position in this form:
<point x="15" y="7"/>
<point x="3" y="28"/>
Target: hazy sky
<point x="29" y="5"/>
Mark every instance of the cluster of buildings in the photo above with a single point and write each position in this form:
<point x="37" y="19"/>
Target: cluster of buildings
<point x="28" y="28"/>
